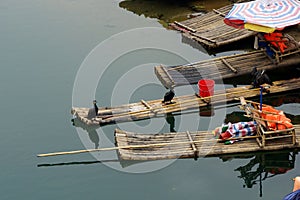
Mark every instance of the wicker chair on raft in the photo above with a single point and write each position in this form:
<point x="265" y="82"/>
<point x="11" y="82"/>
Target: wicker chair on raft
<point x="279" y="45"/>
<point x="271" y="123"/>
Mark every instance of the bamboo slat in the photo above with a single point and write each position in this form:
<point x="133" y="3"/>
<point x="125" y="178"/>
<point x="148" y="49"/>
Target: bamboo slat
<point x="219" y="13"/>
<point x="184" y="26"/>
<point x="228" y="65"/>
<point x="193" y="145"/>
<point x="147" y="105"/>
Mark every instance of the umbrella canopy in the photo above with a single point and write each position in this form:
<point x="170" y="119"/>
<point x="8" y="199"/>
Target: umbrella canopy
<point x="264" y="15"/>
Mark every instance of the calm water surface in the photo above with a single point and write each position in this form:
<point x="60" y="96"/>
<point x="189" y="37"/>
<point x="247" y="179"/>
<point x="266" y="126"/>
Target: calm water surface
<point x="43" y="44"/>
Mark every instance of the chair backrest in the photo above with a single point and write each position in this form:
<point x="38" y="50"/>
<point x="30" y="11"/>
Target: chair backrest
<point x="271" y="119"/>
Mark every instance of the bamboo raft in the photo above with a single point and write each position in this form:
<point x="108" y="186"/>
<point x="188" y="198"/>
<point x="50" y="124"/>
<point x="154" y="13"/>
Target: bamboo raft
<point x="219" y="68"/>
<point x="210" y="30"/>
<point x="188" y="145"/>
<point x="155" y="108"/>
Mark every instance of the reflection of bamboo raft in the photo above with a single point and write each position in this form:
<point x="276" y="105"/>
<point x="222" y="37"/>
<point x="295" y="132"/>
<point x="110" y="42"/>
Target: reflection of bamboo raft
<point x="265" y="165"/>
<point x="155" y="108"/>
<point x="186" y="145"/>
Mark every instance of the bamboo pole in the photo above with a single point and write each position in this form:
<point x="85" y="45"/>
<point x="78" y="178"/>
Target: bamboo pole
<point x="184" y="26"/>
<point x="147" y="105"/>
<point x="229" y="66"/>
<point x="219" y="13"/>
<point x="193" y="145"/>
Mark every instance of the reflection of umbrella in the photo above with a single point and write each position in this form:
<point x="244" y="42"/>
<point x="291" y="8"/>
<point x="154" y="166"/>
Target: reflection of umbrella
<point x="264" y="15"/>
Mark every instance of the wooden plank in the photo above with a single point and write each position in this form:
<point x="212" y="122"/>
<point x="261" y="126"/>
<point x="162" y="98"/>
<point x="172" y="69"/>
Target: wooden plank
<point x="203" y="37"/>
<point x="169" y="77"/>
<point x="184" y="26"/>
<point x="228" y="65"/>
<point x="163" y="76"/>
<point x="219" y="13"/>
<point x="146" y="104"/>
<point x="193" y="145"/>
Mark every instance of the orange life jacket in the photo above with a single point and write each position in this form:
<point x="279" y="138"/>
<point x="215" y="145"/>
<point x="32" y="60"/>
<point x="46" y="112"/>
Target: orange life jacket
<point x="282" y="122"/>
<point x="276" y="39"/>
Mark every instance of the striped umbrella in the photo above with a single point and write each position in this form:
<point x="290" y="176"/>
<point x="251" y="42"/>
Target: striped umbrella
<point x="264" y="15"/>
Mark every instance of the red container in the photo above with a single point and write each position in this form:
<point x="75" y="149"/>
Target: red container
<point x="206" y="87"/>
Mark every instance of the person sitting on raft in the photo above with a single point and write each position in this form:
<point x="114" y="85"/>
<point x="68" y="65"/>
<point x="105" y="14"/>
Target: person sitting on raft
<point x="295" y="195"/>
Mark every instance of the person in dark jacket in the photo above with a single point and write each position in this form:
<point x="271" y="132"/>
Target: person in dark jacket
<point x="295" y="195"/>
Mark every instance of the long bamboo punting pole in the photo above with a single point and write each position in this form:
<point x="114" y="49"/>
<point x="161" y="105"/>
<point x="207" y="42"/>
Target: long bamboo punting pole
<point x="138" y="146"/>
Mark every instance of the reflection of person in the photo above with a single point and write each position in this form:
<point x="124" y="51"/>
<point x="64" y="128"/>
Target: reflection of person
<point x="295" y="195"/>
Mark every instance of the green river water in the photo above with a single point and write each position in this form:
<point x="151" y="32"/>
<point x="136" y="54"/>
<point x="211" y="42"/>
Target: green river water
<point x="56" y="54"/>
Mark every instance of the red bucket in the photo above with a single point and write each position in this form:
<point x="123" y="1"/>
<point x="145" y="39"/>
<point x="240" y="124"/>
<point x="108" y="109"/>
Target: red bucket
<point x="206" y="87"/>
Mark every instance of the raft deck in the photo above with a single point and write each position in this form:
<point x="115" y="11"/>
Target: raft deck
<point x="155" y="108"/>
<point x="219" y="68"/>
<point x="188" y="145"/>
<point x="210" y="30"/>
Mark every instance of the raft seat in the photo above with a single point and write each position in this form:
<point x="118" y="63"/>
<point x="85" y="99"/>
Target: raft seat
<point x="293" y="47"/>
<point x="268" y="129"/>
<point x="281" y="46"/>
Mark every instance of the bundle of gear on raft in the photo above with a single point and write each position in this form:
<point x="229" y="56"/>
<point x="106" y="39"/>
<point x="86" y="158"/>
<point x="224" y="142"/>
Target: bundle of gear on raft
<point x="277" y="45"/>
<point x="277" y="40"/>
<point x="272" y="124"/>
<point x="266" y="120"/>
<point x="235" y="130"/>
<point x="276" y="119"/>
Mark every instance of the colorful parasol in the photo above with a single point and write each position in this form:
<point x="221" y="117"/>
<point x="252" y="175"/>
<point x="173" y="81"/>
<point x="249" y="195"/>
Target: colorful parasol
<point x="264" y="15"/>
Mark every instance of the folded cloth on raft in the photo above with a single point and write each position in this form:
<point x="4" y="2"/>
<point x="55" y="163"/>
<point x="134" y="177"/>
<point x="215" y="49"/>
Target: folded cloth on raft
<point x="240" y="129"/>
